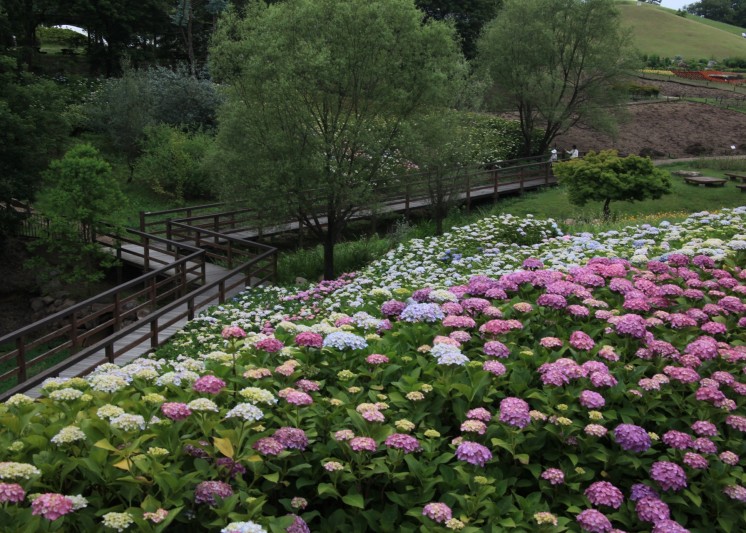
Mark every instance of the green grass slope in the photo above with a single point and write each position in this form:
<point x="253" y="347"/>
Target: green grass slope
<point x="660" y="31"/>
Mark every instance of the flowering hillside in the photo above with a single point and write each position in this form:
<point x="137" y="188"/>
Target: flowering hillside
<point x="558" y="383"/>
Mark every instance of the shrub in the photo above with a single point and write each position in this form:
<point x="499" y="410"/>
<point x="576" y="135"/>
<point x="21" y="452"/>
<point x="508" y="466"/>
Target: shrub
<point x="172" y="163"/>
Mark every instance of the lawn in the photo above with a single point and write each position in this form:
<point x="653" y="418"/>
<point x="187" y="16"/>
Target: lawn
<point x="661" y="32"/>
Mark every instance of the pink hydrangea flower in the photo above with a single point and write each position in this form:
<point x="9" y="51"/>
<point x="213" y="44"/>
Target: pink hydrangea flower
<point x="175" y="410"/>
<point x="233" y="332"/>
<point x="363" y="444"/>
<point x="438" y="512"/>
<point x="404" y="442"/>
<point x="11" y="492"/>
<point x="555" y="476"/>
<point x="51" y="506"/>
<point x="209" y="385"/>
<point x="270" y="345"/>
<point x="581" y="341"/>
<point x="309" y="339"/>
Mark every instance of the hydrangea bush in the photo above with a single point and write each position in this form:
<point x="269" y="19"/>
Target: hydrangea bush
<point x="546" y="387"/>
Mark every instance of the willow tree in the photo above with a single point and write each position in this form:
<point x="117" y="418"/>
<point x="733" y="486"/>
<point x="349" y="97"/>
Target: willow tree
<point x="318" y="93"/>
<point x="557" y="63"/>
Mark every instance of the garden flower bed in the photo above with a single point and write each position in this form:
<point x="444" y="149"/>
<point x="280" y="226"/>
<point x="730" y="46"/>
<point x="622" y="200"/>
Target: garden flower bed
<point x="460" y="383"/>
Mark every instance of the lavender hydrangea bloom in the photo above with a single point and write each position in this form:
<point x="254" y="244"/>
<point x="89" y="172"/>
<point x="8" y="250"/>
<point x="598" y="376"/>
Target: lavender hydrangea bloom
<point x="594" y="521"/>
<point x="604" y="493"/>
<point x="652" y="510"/>
<point x="473" y="453"/>
<point x="422" y="312"/>
<point x="515" y="412"/>
<point x="207" y="490"/>
<point x="668" y="475"/>
<point x="342" y="340"/>
<point x="632" y="438"/>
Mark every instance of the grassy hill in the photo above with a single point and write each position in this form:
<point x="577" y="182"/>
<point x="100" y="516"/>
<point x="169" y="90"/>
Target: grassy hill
<point x="660" y="31"/>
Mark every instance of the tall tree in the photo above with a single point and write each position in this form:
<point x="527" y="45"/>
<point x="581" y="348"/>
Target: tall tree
<point x="79" y="196"/>
<point x="469" y="18"/>
<point x="318" y="91"/>
<point x="557" y="63"/>
<point x="195" y="20"/>
<point x="32" y="131"/>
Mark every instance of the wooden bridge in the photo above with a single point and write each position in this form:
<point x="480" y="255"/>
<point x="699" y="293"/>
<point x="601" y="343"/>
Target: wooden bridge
<point x="193" y="258"/>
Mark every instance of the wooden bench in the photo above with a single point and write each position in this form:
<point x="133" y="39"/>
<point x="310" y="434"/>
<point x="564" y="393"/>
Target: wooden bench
<point x="736" y="177"/>
<point x="706" y="181"/>
<point x="741" y="186"/>
<point x="67" y="51"/>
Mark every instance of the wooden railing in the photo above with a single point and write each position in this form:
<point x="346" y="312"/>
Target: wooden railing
<point x="401" y="194"/>
<point x="258" y="270"/>
<point x="70" y="331"/>
<point x="178" y="287"/>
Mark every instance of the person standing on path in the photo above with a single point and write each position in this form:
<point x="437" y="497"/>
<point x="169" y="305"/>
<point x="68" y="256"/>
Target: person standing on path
<point x="573" y="153"/>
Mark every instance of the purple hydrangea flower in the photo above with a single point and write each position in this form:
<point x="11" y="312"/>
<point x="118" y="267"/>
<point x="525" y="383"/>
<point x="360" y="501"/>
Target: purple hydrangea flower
<point x="555" y="476"/>
<point x="594" y="521"/>
<point x="473" y="453"/>
<point x="668" y="475"/>
<point x="402" y="441"/>
<point x="652" y="510"/>
<point x="604" y="493"/>
<point x="291" y="438"/>
<point x="207" y="490"/>
<point x="632" y="438"/>
<point x="515" y="412"/>
<point x="438" y="512"/>
<point x="591" y="400"/>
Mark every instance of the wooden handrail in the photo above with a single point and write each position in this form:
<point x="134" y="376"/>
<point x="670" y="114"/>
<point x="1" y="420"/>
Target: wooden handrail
<point x="151" y="321"/>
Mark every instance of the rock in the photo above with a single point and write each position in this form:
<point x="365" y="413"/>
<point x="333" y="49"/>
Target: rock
<point x="68" y="302"/>
<point x="686" y="173"/>
<point x="301" y="281"/>
<point x="37" y="304"/>
<point x="142" y="313"/>
<point x="48" y="300"/>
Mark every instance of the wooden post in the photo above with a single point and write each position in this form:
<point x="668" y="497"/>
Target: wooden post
<point x="190" y="308"/>
<point x="153" y="294"/>
<point x="496" y="177"/>
<point x="406" y="199"/>
<point x="230" y="253"/>
<point x="468" y="193"/>
<point x="523" y="174"/>
<point x="146" y="254"/>
<point x="74" y="333"/>
<point x="21" y="359"/>
<point x="154" y="333"/>
<point x="109" y="351"/>
<point x="142" y="220"/>
<point x="117" y="312"/>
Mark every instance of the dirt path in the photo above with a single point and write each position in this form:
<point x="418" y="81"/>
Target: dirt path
<point x="671" y="128"/>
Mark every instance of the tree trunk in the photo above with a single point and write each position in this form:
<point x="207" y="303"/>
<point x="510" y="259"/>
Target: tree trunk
<point x="329" y="240"/>
<point x="607" y="211"/>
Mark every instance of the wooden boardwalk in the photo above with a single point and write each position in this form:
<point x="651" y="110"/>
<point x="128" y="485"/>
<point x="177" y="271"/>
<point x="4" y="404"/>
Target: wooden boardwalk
<point x="183" y="276"/>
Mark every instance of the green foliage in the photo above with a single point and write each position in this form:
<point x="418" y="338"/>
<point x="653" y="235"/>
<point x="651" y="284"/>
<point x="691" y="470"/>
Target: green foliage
<point x="469" y="17"/>
<point x="61" y="36"/>
<point x="320" y="111"/>
<point x="33" y="128"/>
<point x="606" y="177"/>
<point x="78" y="198"/>
<point x="123" y="108"/>
<point x="556" y="62"/>
<point x="172" y="163"/>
